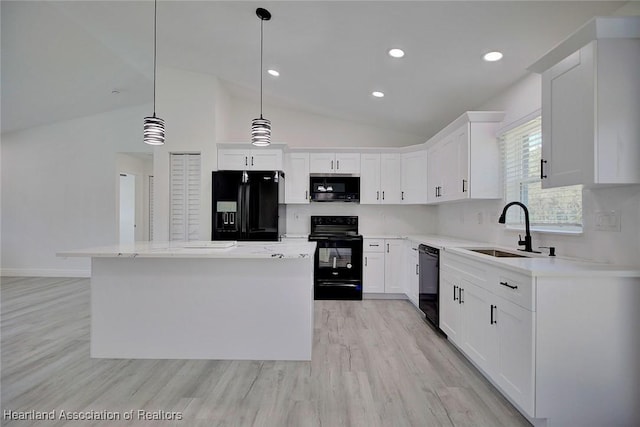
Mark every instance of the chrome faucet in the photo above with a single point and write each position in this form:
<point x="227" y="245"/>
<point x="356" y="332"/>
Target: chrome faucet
<point x="527" y="238"/>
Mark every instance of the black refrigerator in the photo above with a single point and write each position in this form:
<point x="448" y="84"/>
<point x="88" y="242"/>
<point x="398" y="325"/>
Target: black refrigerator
<point x="247" y="205"/>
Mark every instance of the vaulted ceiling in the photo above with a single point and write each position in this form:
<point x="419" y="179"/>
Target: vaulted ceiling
<point x="62" y="60"/>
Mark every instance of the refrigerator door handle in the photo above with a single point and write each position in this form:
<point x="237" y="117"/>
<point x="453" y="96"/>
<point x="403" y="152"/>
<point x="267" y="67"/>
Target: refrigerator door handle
<point x="245" y="206"/>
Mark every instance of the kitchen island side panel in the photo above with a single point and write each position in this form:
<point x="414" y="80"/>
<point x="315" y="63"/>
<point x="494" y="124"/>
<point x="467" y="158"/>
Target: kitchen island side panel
<point x="206" y="308"/>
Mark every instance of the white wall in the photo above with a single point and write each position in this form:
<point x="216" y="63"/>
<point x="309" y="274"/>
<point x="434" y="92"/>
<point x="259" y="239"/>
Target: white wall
<point x="59" y="190"/>
<point x="478" y="220"/>
<point x="301" y="129"/>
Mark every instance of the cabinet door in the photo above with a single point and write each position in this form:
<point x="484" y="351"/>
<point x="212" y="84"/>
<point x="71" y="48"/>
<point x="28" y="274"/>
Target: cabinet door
<point x="347" y="163"/>
<point x="373" y="272"/>
<point x="297" y="178"/>
<point x="568" y="120"/>
<point x="393" y="266"/>
<point x="479" y="337"/>
<point x="449" y="169"/>
<point x="450" y="321"/>
<point x="264" y="159"/>
<point x="233" y="159"/>
<point x="370" y="179"/>
<point x="322" y="162"/>
<point x="414" y="177"/>
<point x="460" y="185"/>
<point x="434" y="177"/>
<point x="390" y="178"/>
<point x="514" y="367"/>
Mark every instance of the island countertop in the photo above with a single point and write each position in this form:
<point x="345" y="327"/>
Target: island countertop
<point x="200" y="249"/>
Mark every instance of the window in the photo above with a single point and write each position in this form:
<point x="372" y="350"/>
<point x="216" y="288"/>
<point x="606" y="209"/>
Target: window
<point x="554" y="209"/>
<point x="184" y="197"/>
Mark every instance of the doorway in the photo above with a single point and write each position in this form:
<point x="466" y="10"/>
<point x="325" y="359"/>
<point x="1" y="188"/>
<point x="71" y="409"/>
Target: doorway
<point x="127" y="209"/>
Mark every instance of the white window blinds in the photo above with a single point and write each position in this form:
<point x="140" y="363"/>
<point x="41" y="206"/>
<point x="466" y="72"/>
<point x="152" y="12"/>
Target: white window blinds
<point x="184" y="197"/>
<point x="557" y="209"/>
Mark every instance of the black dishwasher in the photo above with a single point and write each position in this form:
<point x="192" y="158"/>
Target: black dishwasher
<point x="429" y="283"/>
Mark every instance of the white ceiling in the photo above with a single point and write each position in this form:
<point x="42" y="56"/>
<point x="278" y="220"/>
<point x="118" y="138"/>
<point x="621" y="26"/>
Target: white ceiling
<point x="61" y="60"/>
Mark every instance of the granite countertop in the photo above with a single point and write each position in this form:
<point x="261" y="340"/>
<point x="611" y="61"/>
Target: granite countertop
<point x="543" y="265"/>
<point x="204" y="249"/>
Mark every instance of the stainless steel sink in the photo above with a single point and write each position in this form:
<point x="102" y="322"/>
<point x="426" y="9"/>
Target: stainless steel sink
<point x="498" y="253"/>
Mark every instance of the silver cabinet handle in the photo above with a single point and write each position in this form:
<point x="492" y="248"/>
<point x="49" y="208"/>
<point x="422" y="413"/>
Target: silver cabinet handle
<point x="374" y="245"/>
<point x="460" y="300"/>
<point x="331" y="164"/>
<point x="402" y="195"/>
<point x="387" y="248"/>
<point x="382" y="194"/>
<point x="455" y="288"/>
<point x="542" y="175"/>
<point x="306" y="194"/>
<point x="337" y="164"/>
<point x="251" y="160"/>
<point x="492" y="318"/>
<point x="417" y="269"/>
<point x="365" y="261"/>
<point x="464" y="185"/>
<point x="377" y="195"/>
<point x="246" y="161"/>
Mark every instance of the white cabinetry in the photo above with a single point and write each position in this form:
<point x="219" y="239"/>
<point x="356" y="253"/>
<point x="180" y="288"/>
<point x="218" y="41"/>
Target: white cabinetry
<point x="382" y="266"/>
<point x="373" y="266"/>
<point x="412" y="277"/>
<point x="590" y="110"/>
<point x="464" y="159"/>
<point x="480" y="313"/>
<point x="348" y="163"/>
<point x="296" y="178"/>
<point x="414" y="177"/>
<point x="380" y="178"/>
<point x="263" y="159"/>
<point x="393" y="258"/>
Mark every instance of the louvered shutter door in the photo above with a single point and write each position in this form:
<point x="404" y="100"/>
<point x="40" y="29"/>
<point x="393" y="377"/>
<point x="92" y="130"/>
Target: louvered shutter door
<point x="151" y="199"/>
<point x="184" y="197"/>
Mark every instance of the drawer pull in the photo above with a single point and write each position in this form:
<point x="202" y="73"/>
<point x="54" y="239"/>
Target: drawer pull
<point x="460" y="294"/>
<point x="374" y="244"/>
<point x="492" y="320"/>
<point x="508" y="285"/>
<point x="454" y="292"/>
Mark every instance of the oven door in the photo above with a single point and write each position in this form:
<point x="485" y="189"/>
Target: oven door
<point x="338" y="268"/>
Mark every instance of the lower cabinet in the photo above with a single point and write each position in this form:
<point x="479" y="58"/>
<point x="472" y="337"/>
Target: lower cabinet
<point x="373" y="272"/>
<point x="496" y="334"/>
<point x="411" y="272"/>
<point x="382" y="266"/>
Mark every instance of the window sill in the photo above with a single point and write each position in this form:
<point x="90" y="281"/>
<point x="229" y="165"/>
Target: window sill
<point x="542" y="230"/>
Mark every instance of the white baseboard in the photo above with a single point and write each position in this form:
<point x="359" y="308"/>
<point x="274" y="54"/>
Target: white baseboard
<point x="43" y="272"/>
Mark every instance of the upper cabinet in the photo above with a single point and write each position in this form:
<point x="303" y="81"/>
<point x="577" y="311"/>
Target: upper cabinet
<point x="380" y="178"/>
<point x="296" y="183"/>
<point x="463" y="160"/>
<point x="348" y="163"/>
<point x="414" y="177"/>
<point x="264" y="159"/>
<point x="591" y="105"/>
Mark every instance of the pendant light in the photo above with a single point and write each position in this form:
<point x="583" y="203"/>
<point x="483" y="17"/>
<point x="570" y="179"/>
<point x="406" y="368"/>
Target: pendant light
<point x="153" y="132"/>
<point x="261" y="127"/>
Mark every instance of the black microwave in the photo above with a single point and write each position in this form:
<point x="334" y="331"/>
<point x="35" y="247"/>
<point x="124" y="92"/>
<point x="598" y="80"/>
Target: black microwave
<point x="334" y="188"/>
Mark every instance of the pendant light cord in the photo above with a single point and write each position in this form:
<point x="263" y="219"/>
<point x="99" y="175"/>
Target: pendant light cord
<point x="155" y="38"/>
<point x="261" y="49"/>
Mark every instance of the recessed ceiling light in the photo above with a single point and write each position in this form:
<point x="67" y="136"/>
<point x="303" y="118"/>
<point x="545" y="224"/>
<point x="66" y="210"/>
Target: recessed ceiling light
<point x="396" y="53"/>
<point x="377" y="94"/>
<point x="492" y="56"/>
<point x="274" y="73"/>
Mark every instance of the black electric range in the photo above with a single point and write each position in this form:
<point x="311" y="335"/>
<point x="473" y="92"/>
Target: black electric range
<point x="338" y="258"/>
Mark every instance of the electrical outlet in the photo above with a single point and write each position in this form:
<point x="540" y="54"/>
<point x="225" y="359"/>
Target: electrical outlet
<point x="607" y="220"/>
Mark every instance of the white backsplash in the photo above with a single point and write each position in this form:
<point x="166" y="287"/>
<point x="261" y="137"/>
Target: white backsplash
<point x="478" y="220"/>
<point x="372" y="219"/>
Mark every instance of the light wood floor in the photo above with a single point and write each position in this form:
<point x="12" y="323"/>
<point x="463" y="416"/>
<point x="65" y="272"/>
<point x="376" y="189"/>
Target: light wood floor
<point x="375" y="363"/>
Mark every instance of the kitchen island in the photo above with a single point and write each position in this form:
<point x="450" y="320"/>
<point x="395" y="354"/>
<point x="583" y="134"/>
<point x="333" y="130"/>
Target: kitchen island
<point x="202" y="300"/>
